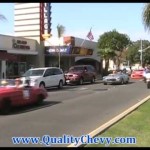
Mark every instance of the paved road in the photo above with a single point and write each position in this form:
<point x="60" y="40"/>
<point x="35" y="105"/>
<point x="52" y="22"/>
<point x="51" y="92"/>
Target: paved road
<point x="74" y="110"/>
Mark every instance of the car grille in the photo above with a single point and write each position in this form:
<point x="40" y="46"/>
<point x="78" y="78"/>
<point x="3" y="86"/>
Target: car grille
<point x="111" y="79"/>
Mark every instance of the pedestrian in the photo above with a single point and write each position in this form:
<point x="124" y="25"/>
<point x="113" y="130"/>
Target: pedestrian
<point x="18" y="83"/>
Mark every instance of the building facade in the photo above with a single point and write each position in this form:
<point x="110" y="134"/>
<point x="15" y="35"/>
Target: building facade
<point x="16" y="55"/>
<point x="73" y="51"/>
<point x="33" y="20"/>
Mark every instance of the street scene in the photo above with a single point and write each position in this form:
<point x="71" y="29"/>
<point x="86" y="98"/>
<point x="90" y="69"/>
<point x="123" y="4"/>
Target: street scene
<point x="75" y="110"/>
<point x="65" y="86"/>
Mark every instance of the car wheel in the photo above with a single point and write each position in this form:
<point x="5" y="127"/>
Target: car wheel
<point x="93" y="80"/>
<point x="122" y="81"/>
<point x="60" y="86"/>
<point x="40" y="99"/>
<point x="42" y="85"/>
<point x="81" y="81"/>
<point x="105" y="83"/>
<point x="6" y="107"/>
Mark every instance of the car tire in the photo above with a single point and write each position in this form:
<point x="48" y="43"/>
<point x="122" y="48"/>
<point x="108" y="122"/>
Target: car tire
<point x="122" y="82"/>
<point x="60" y="86"/>
<point x="105" y="83"/>
<point x="81" y="81"/>
<point x="6" y="107"/>
<point x="93" y="80"/>
<point x="42" y="85"/>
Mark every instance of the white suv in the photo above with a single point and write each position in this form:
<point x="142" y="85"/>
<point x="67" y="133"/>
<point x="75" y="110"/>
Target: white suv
<point x="44" y="77"/>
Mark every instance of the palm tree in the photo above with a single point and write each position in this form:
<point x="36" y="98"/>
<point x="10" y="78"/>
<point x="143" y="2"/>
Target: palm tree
<point x="146" y="16"/>
<point x="60" y="31"/>
<point x="106" y="54"/>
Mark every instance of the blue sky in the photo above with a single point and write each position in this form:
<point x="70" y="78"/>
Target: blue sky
<point x="78" y="18"/>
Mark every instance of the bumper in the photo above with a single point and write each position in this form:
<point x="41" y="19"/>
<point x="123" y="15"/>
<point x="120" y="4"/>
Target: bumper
<point x="73" y="80"/>
<point x="136" y="76"/>
<point x="112" y="82"/>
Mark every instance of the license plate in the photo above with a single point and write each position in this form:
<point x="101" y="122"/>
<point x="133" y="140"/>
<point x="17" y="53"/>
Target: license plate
<point x="26" y="94"/>
<point x="68" y="81"/>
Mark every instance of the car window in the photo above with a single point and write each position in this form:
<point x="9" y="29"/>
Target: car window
<point x="72" y="69"/>
<point x="57" y="71"/>
<point x="38" y="72"/>
<point x="49" y="72"/>
<point x="91" y="68"/>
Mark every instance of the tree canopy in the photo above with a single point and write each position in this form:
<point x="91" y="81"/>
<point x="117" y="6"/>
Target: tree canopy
<point x="112" y="45"/>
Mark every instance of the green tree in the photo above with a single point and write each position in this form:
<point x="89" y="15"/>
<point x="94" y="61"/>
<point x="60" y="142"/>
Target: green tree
<point x="115" y="41"/>
<point x="106" y="54"/>
<point x="146" y="16"/>
<point x="60" y="31"/>
<point x="133" y="54"/>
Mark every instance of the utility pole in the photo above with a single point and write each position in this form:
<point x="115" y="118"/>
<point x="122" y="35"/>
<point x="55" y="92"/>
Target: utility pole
<point x="141" y="55"/>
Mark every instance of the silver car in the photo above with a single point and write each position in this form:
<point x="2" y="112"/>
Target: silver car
<point x="117" y="78"/>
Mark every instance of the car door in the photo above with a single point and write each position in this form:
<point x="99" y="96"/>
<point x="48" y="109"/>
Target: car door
<point x="58" y="76"/>
<point x="49" y="78"/>
<point x="86" y="73"/>
<point x="90" y="73"/>
<point x="124" y="76"/>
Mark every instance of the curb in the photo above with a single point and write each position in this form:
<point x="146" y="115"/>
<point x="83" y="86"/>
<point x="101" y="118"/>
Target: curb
<point x="112" y="121"/>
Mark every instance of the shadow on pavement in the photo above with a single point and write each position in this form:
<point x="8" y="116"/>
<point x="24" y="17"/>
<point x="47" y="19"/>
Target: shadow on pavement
<point x="28" y="108"/>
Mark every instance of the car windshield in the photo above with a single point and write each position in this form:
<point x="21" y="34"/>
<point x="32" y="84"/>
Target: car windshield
<point x="75" y="69"/>
<point x="7" y="82"/>
<point x="38" y="72"/>
<point x="116" y="74"/>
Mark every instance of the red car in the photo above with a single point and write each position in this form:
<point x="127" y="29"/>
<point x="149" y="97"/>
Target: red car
<point x="80" y="74"/>
<point x="137" y="74"/>
<point x="12" y="96"/>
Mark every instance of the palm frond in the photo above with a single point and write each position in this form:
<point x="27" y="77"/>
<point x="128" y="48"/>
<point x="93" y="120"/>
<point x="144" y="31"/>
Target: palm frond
<point x="146" y="16"/>
<point x="60" y="30"/>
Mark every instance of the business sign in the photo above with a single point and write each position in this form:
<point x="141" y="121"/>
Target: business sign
<point x="57" y="49"/>
<point x="45" y="19"/>
<point x="20" y="44"/>
<point x="68" y="50"/>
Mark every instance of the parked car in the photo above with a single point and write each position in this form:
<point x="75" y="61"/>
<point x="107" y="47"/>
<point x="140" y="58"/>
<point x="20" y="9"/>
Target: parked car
<point x="13" y="96"/>
<point x="80" y="73"/>
<point x="137" y="74"/>
<point x="117" y="78"/>
<point x="44" y="77"/>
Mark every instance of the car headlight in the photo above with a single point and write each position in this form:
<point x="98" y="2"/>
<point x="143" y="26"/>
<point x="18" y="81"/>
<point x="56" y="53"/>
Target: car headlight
<point x="117" y="78"/>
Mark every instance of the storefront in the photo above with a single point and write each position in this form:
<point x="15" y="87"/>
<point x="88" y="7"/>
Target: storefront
<point x="16" y="55"/>
<point x="72" y="51"/>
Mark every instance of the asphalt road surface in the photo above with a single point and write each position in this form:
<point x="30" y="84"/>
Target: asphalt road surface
<point x="73" y="111"/>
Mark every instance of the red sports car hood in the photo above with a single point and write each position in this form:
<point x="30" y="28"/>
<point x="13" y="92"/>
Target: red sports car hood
<point x="5" y="89"/>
